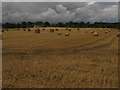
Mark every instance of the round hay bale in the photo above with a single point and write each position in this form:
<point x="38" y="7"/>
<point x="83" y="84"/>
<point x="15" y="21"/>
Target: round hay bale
<point x="24" y="29"/>
<point x="66" y="34"/>
<point x="56" y="29"/>
<point x="59" y="33"/>
<point x="29" y="30"/>
<point x="51" y="30"/>
<point x="106" y="31"/>
<point x="37" y="30"/>
<point x="78" y="29"/>
<point x="92" y="31"/>
<point x="118" y="34"/>
<point x="85" y="31"/>
<point x="109" y="30"/>
<point x="69" y="29"/>
<point x="96" y="34"/>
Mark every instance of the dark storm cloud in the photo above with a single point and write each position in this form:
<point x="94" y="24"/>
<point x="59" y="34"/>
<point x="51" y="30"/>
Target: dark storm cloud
<point x="59" y="11"/>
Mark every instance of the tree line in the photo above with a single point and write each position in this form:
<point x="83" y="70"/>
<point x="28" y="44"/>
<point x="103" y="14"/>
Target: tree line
<point x="61" y="24"/>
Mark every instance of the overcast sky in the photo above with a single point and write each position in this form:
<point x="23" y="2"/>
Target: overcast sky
<point x="54" y="12"/>
<point x="60" y="0"/>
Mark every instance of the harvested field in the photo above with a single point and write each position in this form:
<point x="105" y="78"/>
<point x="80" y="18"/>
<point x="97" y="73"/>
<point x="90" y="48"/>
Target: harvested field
<point x="49" y="60"/>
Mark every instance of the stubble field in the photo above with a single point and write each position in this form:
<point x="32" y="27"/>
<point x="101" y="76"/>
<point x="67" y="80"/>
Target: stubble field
<point x="49" y="60"/>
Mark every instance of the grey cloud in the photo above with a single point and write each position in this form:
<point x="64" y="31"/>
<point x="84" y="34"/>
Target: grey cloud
<point x="59" y="11"/>
<point x="97" y="12"/>
<point x="60" y="1"/>
<point x="0" y="12"/>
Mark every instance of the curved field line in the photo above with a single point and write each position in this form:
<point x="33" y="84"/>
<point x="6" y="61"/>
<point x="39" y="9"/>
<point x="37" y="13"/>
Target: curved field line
<point x="83" y="46"/>
<point x="102" y="46"/>
<point x="91" y="43"/>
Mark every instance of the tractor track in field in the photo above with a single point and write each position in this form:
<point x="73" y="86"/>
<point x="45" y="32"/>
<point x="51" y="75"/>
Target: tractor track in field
<point x="91" y="43"/>
<point x="98" y="46"/>
<point x="76" y="49"/>
<point x="81" y="47"/>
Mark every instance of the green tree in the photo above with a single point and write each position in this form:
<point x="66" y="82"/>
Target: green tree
<point x="24" y="25"/>
<point x="46" y="24"/>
